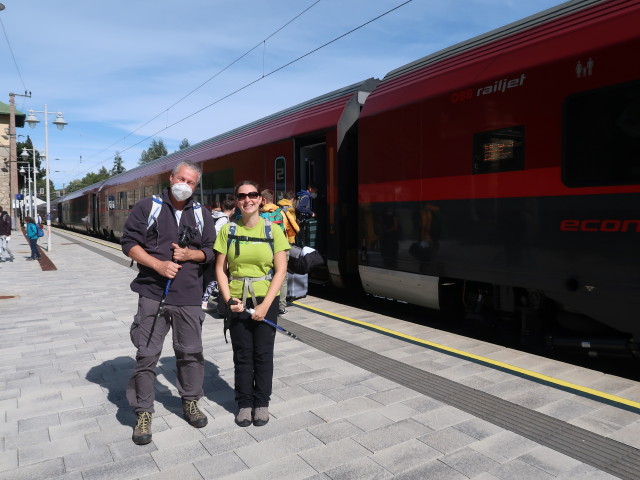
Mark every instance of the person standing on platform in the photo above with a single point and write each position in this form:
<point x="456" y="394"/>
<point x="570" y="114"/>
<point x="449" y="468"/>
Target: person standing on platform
<point x="153" y="242"/>
<point x="306" y="216"/>
<point x="5" y="236"/>
<point x="275" y="215"/>
<point x="220" y="217"/>
<point x="253" y="250"/>
<point x="32" y="235"/>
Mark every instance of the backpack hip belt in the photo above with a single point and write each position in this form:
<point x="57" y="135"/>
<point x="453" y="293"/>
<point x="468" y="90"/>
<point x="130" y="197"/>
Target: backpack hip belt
<point x="247" y="286"/>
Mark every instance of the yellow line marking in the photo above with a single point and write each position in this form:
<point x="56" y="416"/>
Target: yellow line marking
<point x="90" y="239"/>
<point x="505" y="366"/>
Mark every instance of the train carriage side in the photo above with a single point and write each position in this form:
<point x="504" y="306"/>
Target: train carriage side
<point x="311" y="142"/>
<point x="502" y="175"/>
<point x="314" y="142"/>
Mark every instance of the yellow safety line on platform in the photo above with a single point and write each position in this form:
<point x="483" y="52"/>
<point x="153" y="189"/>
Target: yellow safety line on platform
<point x="85" y="237"/>
<point x="486" y="360"/>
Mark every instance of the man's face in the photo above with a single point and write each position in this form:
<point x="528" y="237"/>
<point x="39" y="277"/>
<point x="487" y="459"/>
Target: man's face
<point x="185" y="175"/>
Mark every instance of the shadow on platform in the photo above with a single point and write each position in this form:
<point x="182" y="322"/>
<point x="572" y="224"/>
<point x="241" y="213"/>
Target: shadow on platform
<point x="113" y="375"/>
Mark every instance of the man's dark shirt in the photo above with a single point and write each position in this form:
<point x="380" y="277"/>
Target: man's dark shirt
<point x="186" y="287"/>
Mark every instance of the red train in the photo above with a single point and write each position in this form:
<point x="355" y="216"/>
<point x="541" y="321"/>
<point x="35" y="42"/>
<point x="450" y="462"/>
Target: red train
<point x="499" y="176"/>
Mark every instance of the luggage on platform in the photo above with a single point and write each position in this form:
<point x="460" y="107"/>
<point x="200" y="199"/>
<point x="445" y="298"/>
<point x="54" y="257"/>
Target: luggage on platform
<point x="297" y="286"/>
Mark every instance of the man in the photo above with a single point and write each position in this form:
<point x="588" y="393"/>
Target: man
<point x="160" y="258"/>
<point x="5" y="236"/>
<point x="275" y="215"/>
<point x="305" y="215"/>
<point x="303" y="209"/>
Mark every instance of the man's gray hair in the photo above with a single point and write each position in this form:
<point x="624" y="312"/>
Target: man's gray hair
<point x="191" y="165"/>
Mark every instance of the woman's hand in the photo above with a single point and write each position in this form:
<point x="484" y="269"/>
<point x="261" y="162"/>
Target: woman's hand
<point x="235" y="305"/>
<point x="260" y="312"/>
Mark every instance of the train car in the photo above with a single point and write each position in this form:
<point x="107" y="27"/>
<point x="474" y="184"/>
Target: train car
<point x="502" y="175"/>
<point x="313" y="142"/>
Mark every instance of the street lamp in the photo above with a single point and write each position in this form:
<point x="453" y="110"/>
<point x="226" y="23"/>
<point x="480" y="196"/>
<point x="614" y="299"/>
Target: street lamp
<point x="25" y="157"/>
<point x="32" y="211"/>
<point x="59" y="122"/>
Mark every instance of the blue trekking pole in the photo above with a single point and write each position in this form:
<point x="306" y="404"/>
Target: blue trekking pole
<point x="251" y="311"/>
<point x="185" y="237"/>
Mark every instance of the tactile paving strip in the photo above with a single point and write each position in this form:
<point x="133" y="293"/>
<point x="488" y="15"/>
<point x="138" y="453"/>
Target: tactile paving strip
<point x="603" y="453"/>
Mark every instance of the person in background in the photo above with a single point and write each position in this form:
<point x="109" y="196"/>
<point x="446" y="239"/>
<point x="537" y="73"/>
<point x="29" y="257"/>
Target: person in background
<point x="5" y="236"/>
<point x="303" y="209"/>
<point x="275" y="215"/>
<point x="220" y="216"/>
<point x="32" y="235"/>
<point x="291" y="227"/>
<point x="160" y="258"/>
<point x="256" y="262"/>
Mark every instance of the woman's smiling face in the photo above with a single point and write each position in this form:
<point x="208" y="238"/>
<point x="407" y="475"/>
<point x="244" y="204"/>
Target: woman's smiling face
<point x="245" y="203"/>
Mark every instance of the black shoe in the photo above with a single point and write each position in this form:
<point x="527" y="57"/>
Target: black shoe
<point x="282" y="311"/>
<point x="142" y="432"/>
<point x="193" y="415"/>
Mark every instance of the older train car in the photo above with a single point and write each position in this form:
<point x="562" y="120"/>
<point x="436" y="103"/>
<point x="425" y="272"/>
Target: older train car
<point x="312" y="142"/>
<point x="502" y="174"/>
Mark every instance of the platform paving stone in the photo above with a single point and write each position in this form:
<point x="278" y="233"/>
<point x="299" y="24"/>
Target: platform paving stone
<point x="331" y="455"/>
<point x="405" y="456"/>
<point x="433" y="469"/>
<point x="65" y="358"/>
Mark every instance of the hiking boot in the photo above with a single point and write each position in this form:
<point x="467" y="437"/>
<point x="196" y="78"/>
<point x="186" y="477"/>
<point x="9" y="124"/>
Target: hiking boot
<point x="261" y="416"/>
<point x="142" y="432"/>
<point x="192" y="414"/>
<point x="243" y="419"/>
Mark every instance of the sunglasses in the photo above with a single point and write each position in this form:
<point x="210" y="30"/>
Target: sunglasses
<point x="251" y="195"/>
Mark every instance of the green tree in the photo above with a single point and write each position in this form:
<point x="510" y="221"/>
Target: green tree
<point x="88" y="179"/>
<point x="118" y="167"/>
<point x="156" y="150"/>
<point x="184" y="144"/>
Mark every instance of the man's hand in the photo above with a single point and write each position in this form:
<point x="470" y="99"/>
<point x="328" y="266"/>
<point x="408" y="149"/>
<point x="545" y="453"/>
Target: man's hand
<point x="168" y="269"/>
<point x="181" y="254"/>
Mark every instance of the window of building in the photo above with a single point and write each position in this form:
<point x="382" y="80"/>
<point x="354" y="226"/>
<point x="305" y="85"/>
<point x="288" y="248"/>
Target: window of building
<point x="602" y="137"/>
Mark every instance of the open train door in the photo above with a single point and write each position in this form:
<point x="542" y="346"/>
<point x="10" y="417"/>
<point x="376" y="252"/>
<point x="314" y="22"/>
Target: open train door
<point x="312" y="170"/>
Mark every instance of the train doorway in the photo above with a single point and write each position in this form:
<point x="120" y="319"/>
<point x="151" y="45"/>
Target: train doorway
<point x="312" y="169"/>
<point x="95" y="214"/>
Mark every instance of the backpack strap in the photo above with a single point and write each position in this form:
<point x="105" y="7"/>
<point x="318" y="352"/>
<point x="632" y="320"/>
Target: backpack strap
<point x="197" y="212"/>
<point x="231" y="236"/>
<point x="156" y="206"/>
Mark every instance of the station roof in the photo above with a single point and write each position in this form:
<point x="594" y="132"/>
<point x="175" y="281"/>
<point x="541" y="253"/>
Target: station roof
<point x="5" y="109"/>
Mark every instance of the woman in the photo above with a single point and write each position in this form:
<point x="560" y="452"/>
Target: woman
<point x="257" y="266"/>
<point x="32" y="235"/>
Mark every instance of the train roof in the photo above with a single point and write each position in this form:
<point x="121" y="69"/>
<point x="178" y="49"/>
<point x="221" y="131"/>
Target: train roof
<point x="495" y="42"/>
<point x="309" y="116"/>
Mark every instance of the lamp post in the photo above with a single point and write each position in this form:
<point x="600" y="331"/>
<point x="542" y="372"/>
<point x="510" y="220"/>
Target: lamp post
<point x="27" y="181"/>
<point x="25" y="157"/>
<point x="59" y="122"/>
<point x="32" y="193"/>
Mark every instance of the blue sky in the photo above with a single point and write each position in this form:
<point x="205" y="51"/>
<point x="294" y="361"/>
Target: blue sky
<point x="120" y="70"/>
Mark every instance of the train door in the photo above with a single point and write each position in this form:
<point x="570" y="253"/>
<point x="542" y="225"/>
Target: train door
<point x="95" y="214"/>
<point x="312" y="169"/>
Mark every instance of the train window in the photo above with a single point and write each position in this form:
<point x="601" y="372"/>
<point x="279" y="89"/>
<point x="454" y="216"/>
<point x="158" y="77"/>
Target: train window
<point x="602" y="137"/>
<point x="122" y="200"/>
<point x="499" y="150"/>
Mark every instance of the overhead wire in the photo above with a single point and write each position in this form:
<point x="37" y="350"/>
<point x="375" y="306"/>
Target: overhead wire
<point x="12" y="54"/>
<point x="253" y="82"/>
<point x="218" y="73"/>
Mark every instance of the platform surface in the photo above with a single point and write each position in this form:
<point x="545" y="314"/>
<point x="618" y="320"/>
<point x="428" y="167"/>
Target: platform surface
<point x="65" y="358"/>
